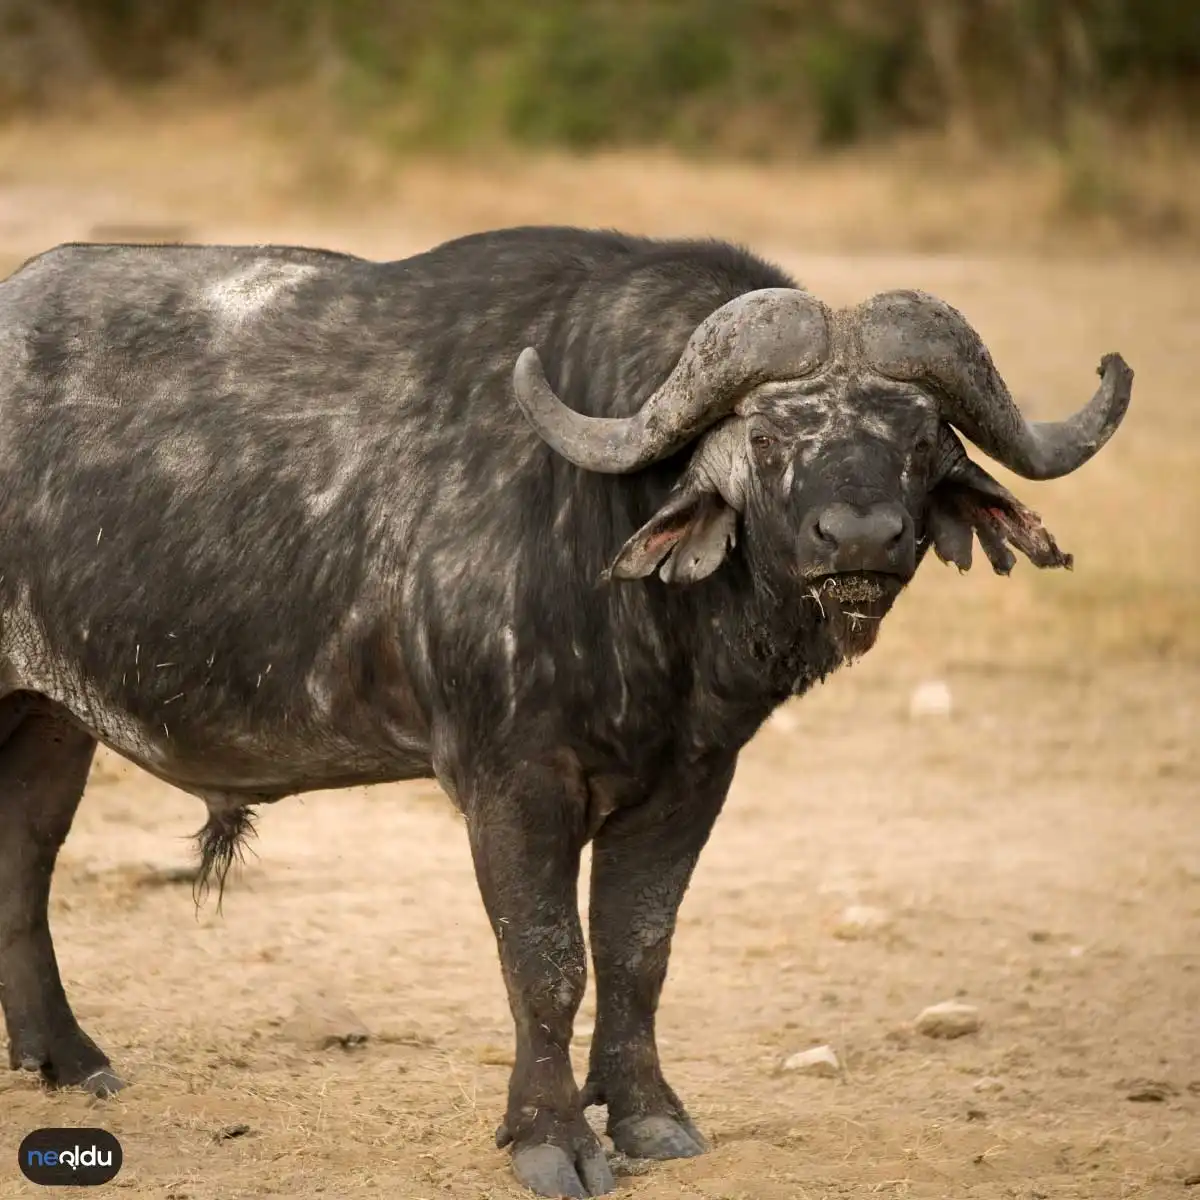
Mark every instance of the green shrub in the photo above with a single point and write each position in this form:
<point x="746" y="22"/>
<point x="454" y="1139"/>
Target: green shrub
<point x="739" y="73"/>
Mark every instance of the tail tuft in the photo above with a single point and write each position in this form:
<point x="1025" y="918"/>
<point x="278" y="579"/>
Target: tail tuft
<point x="221" y="842"/>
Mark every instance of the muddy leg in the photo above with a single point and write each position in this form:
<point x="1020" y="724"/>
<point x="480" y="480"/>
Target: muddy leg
<point x="642" y="862"/>
<point x="44" y="765"/>
<point x="526" y="848"/>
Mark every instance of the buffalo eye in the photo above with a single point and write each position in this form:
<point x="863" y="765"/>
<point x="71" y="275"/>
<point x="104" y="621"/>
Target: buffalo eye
<point x="924" y="445"/>
<point x="762" y="441"/>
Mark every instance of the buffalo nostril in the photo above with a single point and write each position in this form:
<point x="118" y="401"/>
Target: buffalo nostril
<point x="825" y="530"/>
<point x="892" y="530"/>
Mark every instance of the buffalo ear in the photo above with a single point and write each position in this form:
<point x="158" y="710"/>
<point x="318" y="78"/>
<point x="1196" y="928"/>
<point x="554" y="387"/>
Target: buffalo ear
<point x="687" y="540"/>
<point x="969" y="501"/>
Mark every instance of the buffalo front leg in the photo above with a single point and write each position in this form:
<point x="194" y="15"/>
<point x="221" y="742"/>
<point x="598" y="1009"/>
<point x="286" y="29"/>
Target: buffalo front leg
<point x="642" y="862"/>
<point x="44" y="764"/>
<point x="526" y="849"/>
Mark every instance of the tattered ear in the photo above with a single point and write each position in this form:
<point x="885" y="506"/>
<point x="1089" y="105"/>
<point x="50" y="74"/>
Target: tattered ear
<point x="687" y="540"/>
<point x="969" y="501"/>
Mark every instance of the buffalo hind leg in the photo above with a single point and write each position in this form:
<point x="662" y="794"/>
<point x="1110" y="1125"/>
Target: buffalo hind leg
<point x="642" y="861"/>
<point x="44" y="762"/>
<point x="526" y="849"/>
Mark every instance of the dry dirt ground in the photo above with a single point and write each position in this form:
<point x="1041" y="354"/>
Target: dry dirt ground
<point x="1036" y="853"/>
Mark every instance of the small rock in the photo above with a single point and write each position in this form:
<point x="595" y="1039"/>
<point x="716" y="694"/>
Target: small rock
<point x="860" y="921"/>
<point x="1149" y="1091"/>
<point x="976" y="1114"/>
<point x="323" y="1023"/>
<point x="931" y="699"/>
<point x="228" y="1132"/>
<point x="949" y="1019"/>
<point x="1192" y="1180"/>
<point x="989" y="1083"/>
<point x="820" y="1060"/>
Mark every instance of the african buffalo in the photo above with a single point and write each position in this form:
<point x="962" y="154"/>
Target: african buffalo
<point x="554" y="516"/>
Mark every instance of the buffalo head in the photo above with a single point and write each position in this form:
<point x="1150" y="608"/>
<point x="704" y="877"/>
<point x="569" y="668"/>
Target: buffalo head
<point x="830" y="438"/>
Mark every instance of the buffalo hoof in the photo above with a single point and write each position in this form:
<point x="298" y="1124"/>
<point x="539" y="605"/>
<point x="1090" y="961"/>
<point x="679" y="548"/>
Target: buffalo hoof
<point x="552" y="1171"/>
<point x="74" y="1066"/>
<point x="658" y="1136"/>
<point x="578" y="1169"/>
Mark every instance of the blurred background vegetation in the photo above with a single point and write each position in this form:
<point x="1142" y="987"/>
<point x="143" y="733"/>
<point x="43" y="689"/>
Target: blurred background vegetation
<point x="754" y="78"/>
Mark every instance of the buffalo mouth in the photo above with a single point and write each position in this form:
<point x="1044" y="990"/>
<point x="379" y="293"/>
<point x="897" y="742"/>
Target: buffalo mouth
<point x="851" y="605"/>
